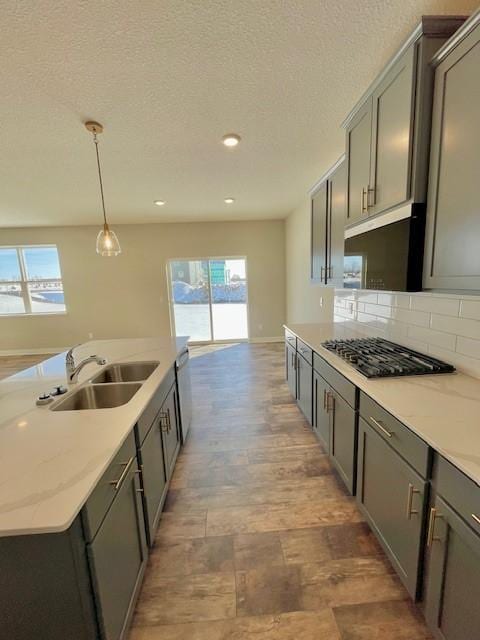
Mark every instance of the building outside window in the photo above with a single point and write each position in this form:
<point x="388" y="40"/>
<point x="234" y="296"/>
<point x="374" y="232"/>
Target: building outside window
<point x="30" y="281"/>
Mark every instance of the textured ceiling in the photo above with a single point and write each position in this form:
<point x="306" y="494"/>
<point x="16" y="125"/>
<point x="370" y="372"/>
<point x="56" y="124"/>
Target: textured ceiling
<point x="168" y="78"/>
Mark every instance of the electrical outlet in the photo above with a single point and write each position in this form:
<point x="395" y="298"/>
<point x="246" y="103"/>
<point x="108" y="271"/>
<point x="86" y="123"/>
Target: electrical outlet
<point x="260" y="327"/>
<point x="90" y="336"/>
<point x="321" y="301"/>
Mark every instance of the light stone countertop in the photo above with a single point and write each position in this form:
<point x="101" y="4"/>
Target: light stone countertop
<point x="442" y="409"/>
<point x="50" y="461"/>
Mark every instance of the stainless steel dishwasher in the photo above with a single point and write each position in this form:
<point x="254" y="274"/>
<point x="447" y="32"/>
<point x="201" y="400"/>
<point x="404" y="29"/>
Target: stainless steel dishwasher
<point x="184" y="382"/>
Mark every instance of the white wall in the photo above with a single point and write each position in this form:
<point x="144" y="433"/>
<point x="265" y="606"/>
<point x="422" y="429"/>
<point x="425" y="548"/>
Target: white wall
<point x="303" y="296"/>
<point x="127" y="296"/>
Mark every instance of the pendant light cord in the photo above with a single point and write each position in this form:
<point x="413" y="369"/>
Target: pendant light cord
<point x="95" y="140"/>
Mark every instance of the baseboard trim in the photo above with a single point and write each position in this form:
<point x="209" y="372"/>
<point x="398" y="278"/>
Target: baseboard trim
<point x="32" y="352"/>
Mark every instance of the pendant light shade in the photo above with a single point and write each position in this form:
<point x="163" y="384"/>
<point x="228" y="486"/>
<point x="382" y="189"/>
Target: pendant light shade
<point x="107" y="241"/>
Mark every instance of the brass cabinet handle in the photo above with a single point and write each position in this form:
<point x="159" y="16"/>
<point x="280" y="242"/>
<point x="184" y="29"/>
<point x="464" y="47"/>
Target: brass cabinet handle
<point x="380" y="426"/>
<point x="371" y="191"/>
<point x="330" y="402"/>
<point x="476" y="518"/>
<point x="363" y="205"/>
<point x="164" y="422"/>
<point x="118" y="483"/>
<point x="325" y="399"/>
<point x="431" y="526"/>
<point x="411" y="491"/>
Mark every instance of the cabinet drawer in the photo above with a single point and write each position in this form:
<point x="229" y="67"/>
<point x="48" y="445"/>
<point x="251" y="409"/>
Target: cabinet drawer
<point x="290" y="338"/>
<point x="343" y="386"/>
<point x="305" y="350"/>
<point x="104" y="493"/>
<point x="459" y="491"/>
<point x="148" y="416"/>
<point x="412" y="448"/>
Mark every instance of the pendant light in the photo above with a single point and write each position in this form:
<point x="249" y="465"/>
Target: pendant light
<point x="107" y="241"/>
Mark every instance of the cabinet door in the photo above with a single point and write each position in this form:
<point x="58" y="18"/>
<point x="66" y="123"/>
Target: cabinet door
<point x="321" y="418"/>
<point x="304" y="387"/>
<point x="290" y="369"/>
<point x="154" y="477"/>
<point x="118" y="555"/>
<point x="336" y="225"/>
<point x="392" y="133"/>
<point x="170" y="431"/>
<point x="453" y="210"/>
<point x="391" y="495"/>
<point x="319" y="233"/>
<point x="453" y="576"/>
<point x="358" y="142"/>
<point x="342" y="437"/>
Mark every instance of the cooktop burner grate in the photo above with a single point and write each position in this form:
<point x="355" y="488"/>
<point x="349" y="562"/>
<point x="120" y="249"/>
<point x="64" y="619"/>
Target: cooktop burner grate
<point x="379" y="358"/>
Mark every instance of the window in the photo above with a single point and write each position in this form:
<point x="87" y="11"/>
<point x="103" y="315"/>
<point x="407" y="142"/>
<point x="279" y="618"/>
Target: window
<point x="30" y="280"/>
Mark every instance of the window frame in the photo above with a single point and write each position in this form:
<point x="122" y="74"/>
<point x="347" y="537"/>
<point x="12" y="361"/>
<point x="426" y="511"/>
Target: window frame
<point x="24" y="283"/>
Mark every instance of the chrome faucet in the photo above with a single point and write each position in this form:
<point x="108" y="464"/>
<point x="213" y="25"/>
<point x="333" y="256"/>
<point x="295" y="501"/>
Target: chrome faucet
<point x="73" y="370"/>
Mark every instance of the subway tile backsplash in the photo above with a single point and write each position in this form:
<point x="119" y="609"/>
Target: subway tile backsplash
<point x="444" y="325"/>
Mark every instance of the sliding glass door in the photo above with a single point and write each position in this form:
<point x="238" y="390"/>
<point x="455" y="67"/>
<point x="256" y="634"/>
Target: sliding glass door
<point x="209" y="298"/>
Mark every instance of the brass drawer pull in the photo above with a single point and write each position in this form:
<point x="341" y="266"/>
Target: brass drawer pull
<point x="380" y="426"/>
<point x="118" y="483"/>
<point x="364" y="195"/>
<point x="431" y="526"/>
<point x="476" y="518"/>
<point x="411" y="491"/>
<point x="330" y="402"/>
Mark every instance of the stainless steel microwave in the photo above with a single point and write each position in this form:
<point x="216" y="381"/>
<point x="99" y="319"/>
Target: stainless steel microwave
<point x="386" y="256"/>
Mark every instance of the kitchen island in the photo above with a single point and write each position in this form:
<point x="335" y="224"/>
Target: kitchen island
<point x="81" y="491"/>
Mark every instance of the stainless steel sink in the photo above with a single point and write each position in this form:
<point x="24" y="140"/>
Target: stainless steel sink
<point x="125" y="372"/>
<point x="104" y="396"/>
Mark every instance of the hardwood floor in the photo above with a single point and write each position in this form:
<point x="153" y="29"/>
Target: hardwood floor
<point x="259" y="539"/>
<point x="12" y="364"/>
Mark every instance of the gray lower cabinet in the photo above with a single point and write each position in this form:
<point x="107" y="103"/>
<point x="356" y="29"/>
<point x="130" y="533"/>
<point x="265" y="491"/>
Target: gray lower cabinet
<point x="291" y="368"/>
<point x="391" y="495"/>
<point x="321" y="417"/>
<point x="170" y="430"/>
<point x="453" y="575"/>
<point x="118" y="556"/>
<point x="154" y="477"/>
<point x="452" y="258"/>
<point x="304" y="386"/>
<point x="343" y="427"/>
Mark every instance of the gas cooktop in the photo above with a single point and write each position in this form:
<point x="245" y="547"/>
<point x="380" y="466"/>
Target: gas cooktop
<point x="379" y="358"/>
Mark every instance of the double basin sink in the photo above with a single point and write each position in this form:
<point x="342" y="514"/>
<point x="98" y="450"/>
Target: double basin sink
<point x="112" y="387"/>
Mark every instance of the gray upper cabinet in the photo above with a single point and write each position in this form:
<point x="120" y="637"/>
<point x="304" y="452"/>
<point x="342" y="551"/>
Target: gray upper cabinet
<point x="387" y="132"/>
<point x="319" y="233"/>
<point x="453" y="212"/>
<point x="328" y="225"/>
<point x="392" y="126"/>
<point x="357" y="155"/>
<point x="337" y="197"/>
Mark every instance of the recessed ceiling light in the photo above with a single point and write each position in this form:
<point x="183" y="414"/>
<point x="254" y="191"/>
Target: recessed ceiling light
<point x="159" y="203"/>
<point x="229" y="200"/>
<point x="231" y="139"/>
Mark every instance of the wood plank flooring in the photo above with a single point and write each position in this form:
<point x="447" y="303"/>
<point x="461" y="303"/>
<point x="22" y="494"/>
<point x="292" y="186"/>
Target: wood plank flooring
<point x="12" y="364"/>
<point x="259" y="540"/>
